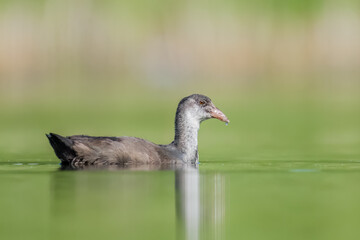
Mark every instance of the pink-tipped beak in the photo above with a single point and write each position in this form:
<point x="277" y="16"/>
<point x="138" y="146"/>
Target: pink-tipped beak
<point x="216" y="113"/>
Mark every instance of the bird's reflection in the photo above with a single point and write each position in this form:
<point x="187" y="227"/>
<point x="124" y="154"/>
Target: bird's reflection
<point x="200" y="204"/>
<point x="199" y="196"/>
<point x="187" y="184"/>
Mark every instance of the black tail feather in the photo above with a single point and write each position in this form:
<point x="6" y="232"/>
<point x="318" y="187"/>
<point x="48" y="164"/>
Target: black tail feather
<point x="62" y="147"/>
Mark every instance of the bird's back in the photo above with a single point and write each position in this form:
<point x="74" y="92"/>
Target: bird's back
<point x="81" y="150"/>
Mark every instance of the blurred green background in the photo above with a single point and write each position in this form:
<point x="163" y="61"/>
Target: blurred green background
<point x="285" y="72"/>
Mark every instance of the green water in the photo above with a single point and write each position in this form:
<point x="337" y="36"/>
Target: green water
<point x="251" y="200"/>
<point x="278" y="171"/>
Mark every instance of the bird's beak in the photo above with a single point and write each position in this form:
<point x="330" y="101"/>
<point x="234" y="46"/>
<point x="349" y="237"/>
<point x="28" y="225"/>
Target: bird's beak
<point x="216" y="113"/>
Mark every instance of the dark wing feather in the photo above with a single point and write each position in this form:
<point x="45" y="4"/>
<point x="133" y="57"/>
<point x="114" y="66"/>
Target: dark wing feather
<point x="62" y="147"/>
<point x="115" y="150"/>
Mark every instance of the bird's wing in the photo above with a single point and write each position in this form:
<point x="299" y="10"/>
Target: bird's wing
<point x="114" y="150"/>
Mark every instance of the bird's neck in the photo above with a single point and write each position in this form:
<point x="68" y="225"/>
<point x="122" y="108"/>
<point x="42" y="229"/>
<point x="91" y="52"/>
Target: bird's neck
<point x="186" y="136"/>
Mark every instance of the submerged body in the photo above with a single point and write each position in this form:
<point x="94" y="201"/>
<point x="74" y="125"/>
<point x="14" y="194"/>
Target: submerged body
<point x="80" y="150"/>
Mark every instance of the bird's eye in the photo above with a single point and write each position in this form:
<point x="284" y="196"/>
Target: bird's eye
<point x="202" y="102"/>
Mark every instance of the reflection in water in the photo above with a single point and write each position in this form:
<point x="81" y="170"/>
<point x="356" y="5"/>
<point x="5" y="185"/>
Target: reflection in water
<point x="200" y="204"/>
<point x="42" y="203"/>
<point x="84" y="200"/>
<point x="213" y="206"/>
<point x="187" y="185"/>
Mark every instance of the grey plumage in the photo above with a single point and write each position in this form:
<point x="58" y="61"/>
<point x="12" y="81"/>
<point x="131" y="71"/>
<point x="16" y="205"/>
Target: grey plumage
<point x="80" y="150"/>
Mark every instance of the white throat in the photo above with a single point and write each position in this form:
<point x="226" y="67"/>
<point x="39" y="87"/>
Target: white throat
<point x="186" y="136"/>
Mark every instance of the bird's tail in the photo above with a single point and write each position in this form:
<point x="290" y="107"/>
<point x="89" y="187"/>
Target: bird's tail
<point x="62" y="147"/>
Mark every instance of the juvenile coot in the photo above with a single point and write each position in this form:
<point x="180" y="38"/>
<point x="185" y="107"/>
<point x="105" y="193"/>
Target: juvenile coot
<point x="80" y="150"/>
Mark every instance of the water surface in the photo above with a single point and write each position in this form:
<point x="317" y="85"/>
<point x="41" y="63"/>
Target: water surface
<point x="263" y="199"/>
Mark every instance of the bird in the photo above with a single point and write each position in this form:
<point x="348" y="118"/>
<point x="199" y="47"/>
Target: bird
<point x="79" y="151"/>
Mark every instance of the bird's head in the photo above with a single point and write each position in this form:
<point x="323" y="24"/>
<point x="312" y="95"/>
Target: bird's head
<point x="201" y="108"/>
